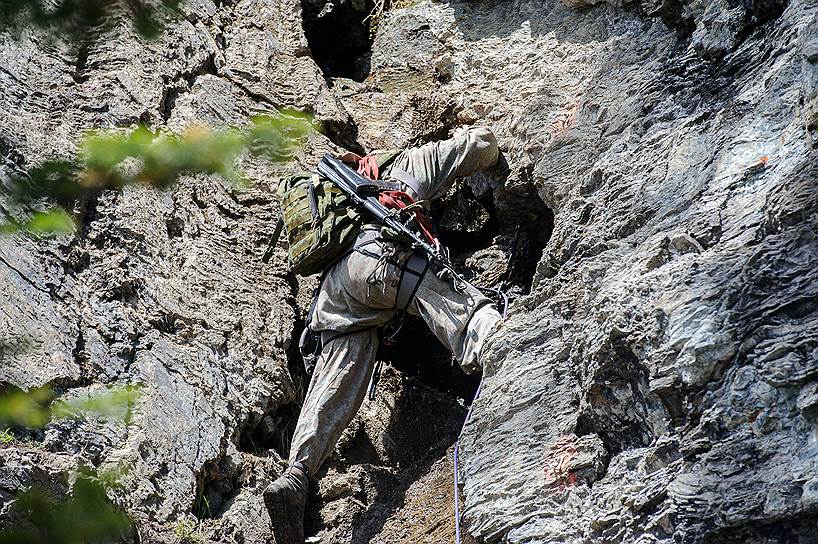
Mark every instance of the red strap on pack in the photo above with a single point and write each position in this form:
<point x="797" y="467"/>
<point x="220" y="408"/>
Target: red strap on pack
<point x="368" y="167"/>
<point x="398" y="200"/>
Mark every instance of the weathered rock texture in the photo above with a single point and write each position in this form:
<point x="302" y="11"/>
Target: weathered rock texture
<point x="657" y="380"/>
<point x="164" y="289"/>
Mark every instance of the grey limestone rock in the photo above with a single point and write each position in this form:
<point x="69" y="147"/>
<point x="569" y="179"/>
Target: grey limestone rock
<point x="654" y="209"/>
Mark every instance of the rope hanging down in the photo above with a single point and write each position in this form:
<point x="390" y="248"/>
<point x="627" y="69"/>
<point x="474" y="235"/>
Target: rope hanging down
<point x="456" y="470"/>
<point x="457" y="444"/>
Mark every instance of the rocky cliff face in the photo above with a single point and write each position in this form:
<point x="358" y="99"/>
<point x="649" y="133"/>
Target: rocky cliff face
<point x="658" y="377"/>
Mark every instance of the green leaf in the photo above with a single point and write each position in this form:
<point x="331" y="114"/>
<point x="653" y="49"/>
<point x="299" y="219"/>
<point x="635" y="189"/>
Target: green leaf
<point x="117" y="402"/>
<point x="52" y="222"/>
<point x="25" y="408"/>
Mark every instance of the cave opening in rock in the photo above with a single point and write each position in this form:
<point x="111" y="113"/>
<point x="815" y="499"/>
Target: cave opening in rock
<point x="339" y="36"/>
<point x="273" y="431"/>
<point x="493" y="242"/>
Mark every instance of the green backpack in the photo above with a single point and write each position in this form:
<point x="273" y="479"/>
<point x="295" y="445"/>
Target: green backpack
<point x="320" y="220"/>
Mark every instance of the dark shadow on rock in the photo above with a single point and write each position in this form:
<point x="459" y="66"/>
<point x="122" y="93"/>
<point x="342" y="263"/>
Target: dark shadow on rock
<point x="338" y="33"/>
<point x="424" y="425"/>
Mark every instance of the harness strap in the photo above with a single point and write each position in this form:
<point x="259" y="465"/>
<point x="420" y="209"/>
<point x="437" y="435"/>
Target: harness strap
<point x="376" y="377"/>
<point x="401" y="201"/>
<point x="407" y="179"/>
<point x="309" y="343"/>
<point x="329" y="336"/>
<point x="410" y="277"/>
<point x="412" y="273"/>
<point x="368" y="167"/>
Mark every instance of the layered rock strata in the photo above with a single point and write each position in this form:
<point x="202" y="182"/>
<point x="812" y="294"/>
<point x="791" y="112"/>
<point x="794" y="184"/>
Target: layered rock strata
<point x="656" y="381"/>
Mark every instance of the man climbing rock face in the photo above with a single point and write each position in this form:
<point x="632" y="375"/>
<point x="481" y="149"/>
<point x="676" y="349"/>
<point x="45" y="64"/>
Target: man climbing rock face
<point x="359" y="295"/>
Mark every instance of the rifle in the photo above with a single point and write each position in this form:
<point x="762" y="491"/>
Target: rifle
<point x="364" y="194"/>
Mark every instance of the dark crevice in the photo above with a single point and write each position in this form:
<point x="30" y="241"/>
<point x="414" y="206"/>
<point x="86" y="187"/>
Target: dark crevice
<point x="618" y="400"/>
<point x="88" y="212"/>
<point x="12" y="158"/>
<point x="168" y="102"/>
<point x="344" y="135"/>
<point x="80" y="357"/>
<point x="339" y="36"/>
<point x="183" y="83"/>
<point x="216" y="484"/>
<point x="503" y="241"/>
<point x="80" y="74"/>
<point x="419" y="354"/>
<point x="274" y="430"/>
<point x="175" y="227"/>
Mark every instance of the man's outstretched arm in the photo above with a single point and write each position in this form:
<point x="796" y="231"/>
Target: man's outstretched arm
<point x="436" y="164"/>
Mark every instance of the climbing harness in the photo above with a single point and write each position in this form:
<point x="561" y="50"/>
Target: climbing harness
<point x="404" y="204"/>
<point x="412" y="272"/>
<point x="411" y="275"/>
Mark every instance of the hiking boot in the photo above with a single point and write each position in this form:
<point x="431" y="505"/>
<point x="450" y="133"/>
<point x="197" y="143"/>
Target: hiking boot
<point x="286" y="500"/>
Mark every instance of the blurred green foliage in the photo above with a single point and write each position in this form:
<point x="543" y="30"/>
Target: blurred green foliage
<point x="158" y="159"/>
<point x="26" y="408"/>
<point x="55" y="221"/>
<point x="115" y="159"/>
<point x="36" y="407"/>
<point x="74" y="18"/>
<point x="278" y="138"/>
<point x="87" y="515"/>
<point x="114" y="402"/>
